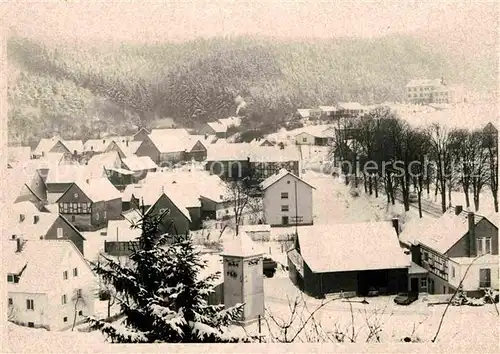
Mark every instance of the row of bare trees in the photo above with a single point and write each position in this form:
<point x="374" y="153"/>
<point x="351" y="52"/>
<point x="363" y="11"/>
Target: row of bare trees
<point x="385" y="151"/>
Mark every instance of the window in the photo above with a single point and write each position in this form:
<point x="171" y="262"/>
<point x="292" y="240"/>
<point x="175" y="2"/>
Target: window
<point x="31" y="324"/>
<point x="80" y="313"/>
<point x="452" y="271"/>
<point x="284" y="195"/>
<point x="97" y="216"/>
<point x="65" y="275"/>
<point x="284" y="208"/>
<point x="484" y="278"/>
<point x="11" y="301"/>
<point x="59" y="232"/>
<point x="483" y="245"/>
<point x="105" y="214"/>
<point x="426" y="256"/>
<point x="423" y="283"/>
<point x="30" y="304"/>
<point x="75" y="272"/>
<point x="479" y="246"/>
<point x="304" y="140"/>
<point x="78" y="293"/>
<point x="487" y="245"/>
<point x="75" y="195"/>
<point x="64" y="299"/>
<point x="65" y="319"/>
<point x="10" y="278"/>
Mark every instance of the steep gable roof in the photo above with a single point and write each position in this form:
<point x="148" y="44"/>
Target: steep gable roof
<point x="177" y="201"/>
<point x="73" y="145"/>
<point x="41" y="273"/>
<point x="128" y="148"/>
<point x="269" y="181"/>
<point x="351" y="247"/>
<point x="139" y="163"/>
<point x="217" y="127"/>
<point x="45" y="145"/>
<point x="440" y="234"/>
<point x="98" y="189"/>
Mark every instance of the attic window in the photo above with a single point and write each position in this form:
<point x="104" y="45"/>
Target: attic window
<point x="75" y="195"/>
<point x="174" y="182"/>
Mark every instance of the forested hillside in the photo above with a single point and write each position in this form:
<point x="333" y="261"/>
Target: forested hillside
<point x="81" y="91"/>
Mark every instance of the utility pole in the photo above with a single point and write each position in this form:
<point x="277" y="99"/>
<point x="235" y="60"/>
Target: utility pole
<point x="296" y="211"/>
<point x="260" y="330"/>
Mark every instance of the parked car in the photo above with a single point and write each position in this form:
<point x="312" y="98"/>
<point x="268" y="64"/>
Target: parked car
<point x="412" y="197"/>
<point x="405" y="298"/>
<point x="372" y="292"/>
<point x="269" y="267"/>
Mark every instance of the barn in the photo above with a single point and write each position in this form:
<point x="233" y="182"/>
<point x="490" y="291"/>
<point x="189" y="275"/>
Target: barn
<point x="348" y="259"/>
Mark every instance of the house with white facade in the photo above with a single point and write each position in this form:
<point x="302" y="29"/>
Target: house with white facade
<point x="49" y="284"/>
<point x="448" y="246"/>
<point x="287" y="200"/>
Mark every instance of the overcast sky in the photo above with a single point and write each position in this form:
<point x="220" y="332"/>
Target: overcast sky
<point x="182" y="20"/>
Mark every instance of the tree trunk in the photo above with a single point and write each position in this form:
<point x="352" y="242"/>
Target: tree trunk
<point x="420" y="204"/>
<point x="74" y="317"/>
<point x="376" y="185"/>
<point x="449" y="193"/>
<point x="495" y="201"/>
<point x="365" y="183"/>
<point x="370" y="184"/>
<point x="467" y="198"/>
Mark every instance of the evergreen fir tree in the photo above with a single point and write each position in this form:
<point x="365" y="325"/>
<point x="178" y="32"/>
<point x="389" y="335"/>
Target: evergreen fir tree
<point x="161" y="295"/>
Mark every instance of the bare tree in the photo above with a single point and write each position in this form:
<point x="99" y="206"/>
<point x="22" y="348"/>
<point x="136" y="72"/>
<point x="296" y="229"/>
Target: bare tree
<point x="241" y="195"/>
<point x="439" y="139"/>
<point x="491" y="144"/>
<point x="479" y="167"/>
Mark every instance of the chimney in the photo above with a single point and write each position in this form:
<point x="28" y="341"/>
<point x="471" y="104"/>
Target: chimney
<point x="36" y="218"/>
<point x="21" y="217"/>
<point x="458" y="209"/>
<point x="87" y="181"/>
<point x="471" y="235"/>
<point x="104" y="141"/>
<point x="395" y="224"/>
<point x="126" y="143"/>
<point x="19" y="245"/>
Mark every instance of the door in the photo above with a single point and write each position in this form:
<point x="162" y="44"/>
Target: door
<point x="284" y="220"/>
<point x="414" y="286"/>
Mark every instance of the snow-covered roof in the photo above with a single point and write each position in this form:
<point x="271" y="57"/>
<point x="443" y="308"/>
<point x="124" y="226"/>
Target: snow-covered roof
<point x="218" y="127"/>
<point x="17" y="180"/>
<point x="242" y="245"/>
<point x="45" y="145"/>
<point x="44" y="264"/>
<point x="318" y="131"/>
<point x="98" y="189"/>
<point x="352" y="106"/>
<point x="440" y="234"/>
<point x="171" y="140"/>
<point x="269" y="181"/>
<point x="66" y="173"/>
<point x="230" y="122"/>
<point x="139" y="163"/>
<point x="31" y="229"/>
<point x="424" y="82"/>
<point x="304" y="112"/>
<point x="97" y="145"/>
<point x="73" y="145"/>
<point x="122" y="230"/>
<point x="99" y="162"/>
<point x="351" y="247"/>
<point x="243" y="151"/>
<point x="129" y="147"/>
<point x="328" y="108"/>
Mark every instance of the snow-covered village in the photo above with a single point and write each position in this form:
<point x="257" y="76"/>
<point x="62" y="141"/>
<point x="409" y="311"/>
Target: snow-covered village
<point x="255" y="214"/>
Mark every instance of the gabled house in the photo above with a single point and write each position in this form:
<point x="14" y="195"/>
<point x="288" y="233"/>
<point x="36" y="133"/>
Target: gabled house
<point x="141" y="134"/>
<point x="195" y="147"/>
<point x="348" y="259"/>
<point x="24" y="184"/>
<point x="350" y="109"/>
<point x="287" y="200"/>
<point x="60" y="178"/>
<point x="319" y="135"/>
<point x="214" y="128"/>
<point x="44" y="146"/>
<point x="261" y="142"/>
<point x="30" y="225"/>
<point x="121" y="238"/>
<point x="447" y="246"/>
<point x="88" y="204"/>
<point x="328" y="112"/>
<point x="72" y="147"/>
<point x="127" y="148"/>
<point x="139" y="165"/>
<point x="49" y="284"/>
<point x="164" y="146"/>
<point x="98" y="164"/>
